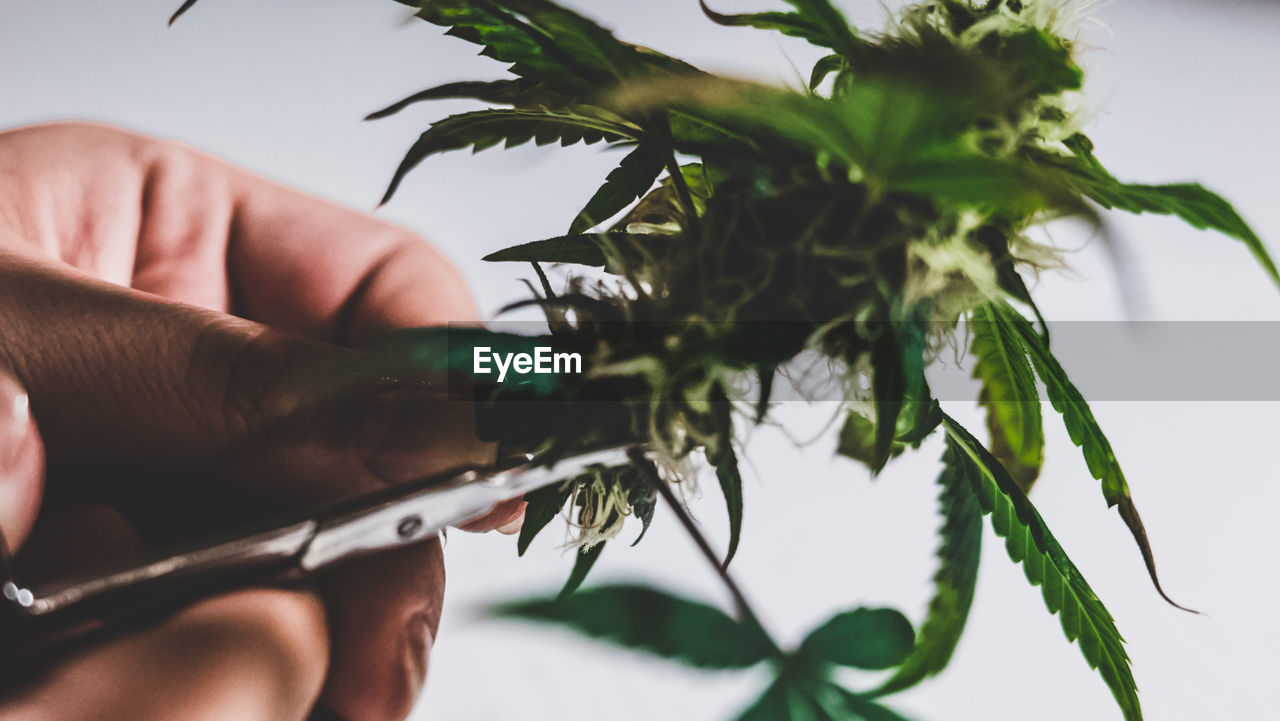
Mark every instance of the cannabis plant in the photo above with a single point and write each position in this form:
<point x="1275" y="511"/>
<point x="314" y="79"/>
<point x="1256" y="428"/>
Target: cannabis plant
<point x="871" y="219"/>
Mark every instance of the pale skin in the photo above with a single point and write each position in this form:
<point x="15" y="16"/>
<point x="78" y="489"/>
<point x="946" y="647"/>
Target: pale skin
<point x="161" y="317"/>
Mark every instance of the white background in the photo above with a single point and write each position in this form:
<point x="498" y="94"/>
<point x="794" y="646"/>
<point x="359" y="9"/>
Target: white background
<point x="1181" y="90"/>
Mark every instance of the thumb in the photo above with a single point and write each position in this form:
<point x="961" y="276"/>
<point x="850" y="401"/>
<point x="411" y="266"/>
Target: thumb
<point x="21" y="464"/>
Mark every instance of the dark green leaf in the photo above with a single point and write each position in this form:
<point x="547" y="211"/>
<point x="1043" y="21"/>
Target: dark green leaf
<point x="726" y="465"/>
<point x="1040" y="62"/>
<point x="1028" y="540"/>
<point x="181" y="11"/>
<point x="544" y="505"/>
<point x="858" y="439"/>
<point x="1084" y="431"/>
<point x="1010" y="396"/>
<point x="773" y="705"/>
<point x="1197" y="206"/>
<point x="521" y="93"/>
<point x="822" y="14"/>
<point x="583" y="560"/>
<point x="650" y="620"/>
<point x="864" y="708"/>
<point x="792" y="24"/>
<point x="824" y="67"/>
<point x="623" y="186"/>
<point x="487" y="128"/>
<point x="954" y="582"/>
<point x="869" y="638"/>
<point x="583" y="249"/>
<point x="889" y="386"/>
<point x="643" y="498"/>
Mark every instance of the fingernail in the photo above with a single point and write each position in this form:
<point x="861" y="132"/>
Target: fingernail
<point x="21" y="462"/>
<point x="512" y="527"/>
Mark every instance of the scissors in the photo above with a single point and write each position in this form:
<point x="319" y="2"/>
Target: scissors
<point x="39" y="622"/>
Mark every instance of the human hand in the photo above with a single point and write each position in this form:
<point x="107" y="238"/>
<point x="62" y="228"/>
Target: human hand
<point x="171" y="318"/>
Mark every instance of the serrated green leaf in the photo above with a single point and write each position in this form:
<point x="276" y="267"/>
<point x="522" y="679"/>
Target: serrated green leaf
<point x="1084" y="431"/>
<point x="583" y="560"/>
<point x="521" y="93"/>
<point x="822" y="14"/>
<point x="623" y="186"/>
<point x="541" y="507"/>
<point x="581" y="249"/>
<point x="1028" y="540"/>
<point x="486" y="128"/>
<point x="1010" y="395"/>
<point x="1191" y="202"/>
<point x="958" y="554"/>
<point x="725" y="462"/>
<point x="653" y="621"/>
<point x="867" y="638"/>
<point x="792" y="24"/>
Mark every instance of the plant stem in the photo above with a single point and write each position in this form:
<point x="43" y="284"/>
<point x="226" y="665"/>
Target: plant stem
<point x="677" y="177"/>
<point x="745" y="611"/>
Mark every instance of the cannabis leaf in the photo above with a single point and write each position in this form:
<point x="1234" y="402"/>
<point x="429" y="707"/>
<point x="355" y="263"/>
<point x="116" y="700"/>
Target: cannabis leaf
<point x="957" y="575"/>
<point x="582" y="249"/>
<point x="787" y="23"/>
<point x="520" y="93"/>
<point x="868" y="638"/>
<point x="623" y="186"/>
<point x="1010" y="395"/>
<point x="486" y="128"/>
<point x="1197" y="206"/>
<point x="541" y="506"/>
<point x="1028" y="540"/>
<point x="721" y="456"/>
<point x="583" y="560"/>
<point x="1084" y="431"/>
<point x="650" y="620"/>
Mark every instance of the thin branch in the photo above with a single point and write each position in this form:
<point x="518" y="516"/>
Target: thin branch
<point x="677" y="177"/>
<point x="748" y="615"/>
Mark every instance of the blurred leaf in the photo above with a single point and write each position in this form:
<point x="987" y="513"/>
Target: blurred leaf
<point x="858" y="439"/>
<point x="1010" y="395"/>
<point x="1028" y="540"/>
<point x="623" y="186"/>
<point x="773" y="705"/>
<point x="787" y="23"/>
<point x="650" y="620"/>
<point x="823" y="15"/>
<point x="958" y="554"/>
<point x="1040" y="62"/>
<point x="726" y="464"/>
<point x="486" y="128"/>
<point x="824" y="67"/>
<point x="544" y="505"/>
<point x="583" y="560"/>
<point x="868" y="638"/>
<point x="1084" y="431"/>
<point x="864" y="708"/>
<point x="1197" y="206"/>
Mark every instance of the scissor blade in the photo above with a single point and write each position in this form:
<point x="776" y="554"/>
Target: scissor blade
<point x="422" y="512"/>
